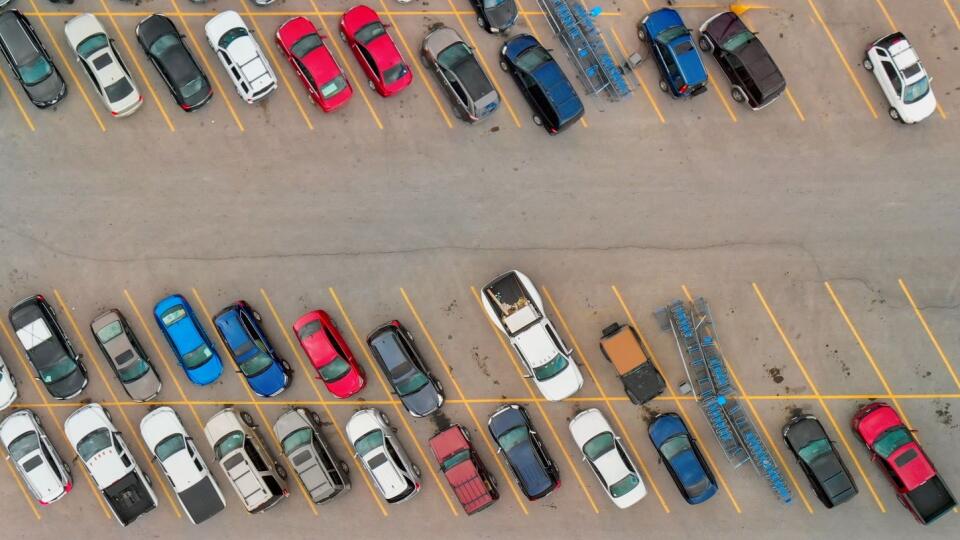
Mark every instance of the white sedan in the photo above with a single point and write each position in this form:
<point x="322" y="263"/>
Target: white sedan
<point x="102" y="63"/>
<point x="904" y="82"/>
<point x="383" y="457"/>
<point x="602" y="449"/>
<point x="241" y="56"/>
<point x="8" y="386"/>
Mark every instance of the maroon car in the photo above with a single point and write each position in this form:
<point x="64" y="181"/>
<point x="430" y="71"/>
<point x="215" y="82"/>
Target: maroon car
<point x="474" y="486"/>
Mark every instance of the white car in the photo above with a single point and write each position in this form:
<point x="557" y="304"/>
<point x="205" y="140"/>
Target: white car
<point x="241" y="56"/>
<point x="35" y="458"/>
<point x="8" y="386"/>
<point x="902" y="78"/>
<point x="514" y="305"/>
<point x="102" y="63"/>
<point x="173" y="448"/>
<point x="383" y="457"/>
<point x="602" y="449"/>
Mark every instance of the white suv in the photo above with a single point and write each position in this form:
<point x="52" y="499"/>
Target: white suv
<point x="902" y="78"/>
<point x="241" y="56"/>
<point x="396" y="478"/>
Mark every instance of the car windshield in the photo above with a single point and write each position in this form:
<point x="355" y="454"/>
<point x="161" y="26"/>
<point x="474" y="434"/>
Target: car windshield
<point x="298" y="438"/>
<point x="624" y="485"/>
<point x="256" y="365"/>
<point x="197" y="357"/>
<point x="304" y="45"/>
<point x="228" y="444"/>
<point x="232" y="35"/>
<point x="370" y="32"/>
<point x="94" y="442"/>
<point x="36" y="71"/>
<point x="395" y="73"/>
<point x="173" y="315"/>
<point x="916" y="91"/>
<point x="335" y="370"/>
<point x="512" y="438"/>
<point x="671" y="34"/>
<point x="737" y="40"/>
<point x="309" y="329"/>
<point x="91" y="45"/>
<point x="598" y="445"/>
<point x="119" y="90"/>
<point x="453" y="55"/>
<point x="334" y="86"/>
<point x="170" y="446"/>
<point x="697" y="489"/>
<point x="490" y="4"/>
<point x="192" y="87"/>
<point x="532" y="58"/>
<point x="109" y="332"/>
<point x="675" y="446"/>
<point x="412" y="384"/>
<point x="891" y="440"/>
<point x="455" y="459"/>
<point x="814" y="450"/>
<point x="369" y="442"/>
<point x="163" y="44"/>
<point x="24" y="445"/>
<point x="551" y="369"/>
<point x="138" y="368"/>
<point x="59" y="370"/>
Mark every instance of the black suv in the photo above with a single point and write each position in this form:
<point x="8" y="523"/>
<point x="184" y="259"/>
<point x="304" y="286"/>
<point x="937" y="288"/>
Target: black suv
<point x="49" y="350"/>
<point x="400" y="361"/>
<point x="554" y="102"/>
<point x="29" y="60"/>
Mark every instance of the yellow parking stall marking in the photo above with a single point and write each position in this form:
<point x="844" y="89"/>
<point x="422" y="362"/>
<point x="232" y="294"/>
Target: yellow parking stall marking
<point x="926" y="328"/>
<point x="268" y="426"/>
<point x="537" y="402"/>
<point x="313" y="383"/>
<point x="843" y="59"/>
<point x="69" y="66"/>
<point x="953" y="14"/>
<point x="480" y="429"/>
<point x="396" y="405"/>
<point x="206" y="64"/>
<point x="346" y="65"/>
<point x="46" y="404"/>
<point x="796" y="107"/>
<point x="603" y="395"/>
<point x="16" y="99"/>
<point x="677" y="402"/>
<point x="816" y="393"/>
<point x="23" y="489"/>
<point x="753" y="410"/>
<point x="130" y="53"/>
<point x="135" y="432"/>
<point x="741" y="11"/>
<point x="723" y="100"/>
<point x="493" y="76"/>
<point x="643" y="85"/>
<point x="416" y="65"/>
<point x="268" y="46"/>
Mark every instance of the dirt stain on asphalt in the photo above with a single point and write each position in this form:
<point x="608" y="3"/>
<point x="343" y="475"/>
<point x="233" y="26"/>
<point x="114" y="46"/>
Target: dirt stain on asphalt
<point x="774" y="373"/>
<point x="481" y="362"/>
<point x="944" y="416"/>
<point x="440" y="420"/>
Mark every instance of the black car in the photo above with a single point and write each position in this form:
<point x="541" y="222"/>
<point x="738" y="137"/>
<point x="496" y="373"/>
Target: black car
<point x="29" y="60"/>
<point x="400" y="361"/>
<point x="163" y="44"/>
<point x="754" y="76"/>
<point x="554" y="102"/>
<point x="49" y="350"/>
<point x="819" y="459"/>
<point x="495" y="16"/>
<point x="534" y="471"/>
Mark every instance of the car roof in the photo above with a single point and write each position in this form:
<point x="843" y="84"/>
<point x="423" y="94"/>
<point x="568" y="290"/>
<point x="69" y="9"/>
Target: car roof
<point x="16" y="38"/>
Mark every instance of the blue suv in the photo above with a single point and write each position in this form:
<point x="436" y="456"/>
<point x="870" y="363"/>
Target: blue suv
<point x="682" y="73"/>
<point x="548" y="91"/>
<point x="188" y="340"/>
<point x="239" y="327"/>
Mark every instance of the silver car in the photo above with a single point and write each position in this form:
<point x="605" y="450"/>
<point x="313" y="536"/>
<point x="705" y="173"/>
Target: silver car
<point x="459" y="73"/>
<point x="127" y="359"/>
<point x="322" y="474"/>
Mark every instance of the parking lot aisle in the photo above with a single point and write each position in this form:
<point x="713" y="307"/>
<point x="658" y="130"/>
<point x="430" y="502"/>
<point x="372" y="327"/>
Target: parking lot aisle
<point x="23" y="489"/>
<point x="677" y="402"/>
<point x="267" y="425"/>
<point x="396" y="405"/>
<point x="757" y="418"/>
<point x="643" y="85"/>
<point x="135" y="432"/>
<point x="332" y="40"/>
<point x="537" y="402"/>
<point x="816" y="393"/>
<point x="206" y="63"/>
<point x="929" y="332"/>
<point x="603" y="394"/>
<point x="28" y="372"/>
<point x="307" y="374"/>
<point x="16" y="100"/>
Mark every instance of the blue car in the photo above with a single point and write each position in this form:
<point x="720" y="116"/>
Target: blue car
<point x="239" y="327"/>
<point x="532" y="467"/>
<point x="682" y="73"/>
<point x="188" y="340"/>
<point x="679" y="452"/>
<point x="554" y="102"/>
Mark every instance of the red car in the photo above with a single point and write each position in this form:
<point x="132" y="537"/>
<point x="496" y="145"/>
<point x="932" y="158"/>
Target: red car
<point x="329" y="353"/>
<point x="362" y="30"/>
<point x="471" y="482"/>
<point x="303" y="46"/>
<point x="919" y="488"/>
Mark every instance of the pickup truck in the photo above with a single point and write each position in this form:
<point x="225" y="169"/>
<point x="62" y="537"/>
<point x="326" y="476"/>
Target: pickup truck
<point x="622" y="347"/>
<point x="472" y="484"/>
<point x="126" y="490"/>
<point x="893" y="447"/>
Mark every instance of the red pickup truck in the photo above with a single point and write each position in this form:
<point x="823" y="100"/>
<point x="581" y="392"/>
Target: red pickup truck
<point x="919" y="488"/>
<point x="474" y="487"/>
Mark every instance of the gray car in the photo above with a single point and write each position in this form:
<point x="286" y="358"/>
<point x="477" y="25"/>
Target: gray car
<point x="456" y="67"/>
<point x="322" y="474"/>
<point x="29" y="60"/>
<point x="127" y="359"/>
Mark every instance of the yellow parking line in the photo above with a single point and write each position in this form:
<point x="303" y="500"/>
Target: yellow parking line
<point x="206" y="64"/>
<point x="416" y="65"/>
<point x="846" y="65"/>
<point x="720" y="95"/>
<point x="756" y="415"/>
<point x="23" y="489"/>
<point x="136" y="62"/>
<point x="69" y="67"/>
<point x="401" y="413"/>
<point x="677" y="402"/>
<point x="813" y="387"/>
<point x="16" y="99"/>
<point x="953" y="14"/>
<point x="646" y="90"/>
<point x="307" y="371"/>
<point x="538" y="403"/>
<point x="603" y="394"/>
<point x="926" y="328"/>
<point x="483" y="432"/>
<point x="346" y="65"/>
<point x="134" y="432"/>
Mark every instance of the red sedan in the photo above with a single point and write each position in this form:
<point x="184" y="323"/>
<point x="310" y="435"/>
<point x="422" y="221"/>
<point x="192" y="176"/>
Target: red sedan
<point x="362" y="30"/>
<point x="329" y="353"/>
<point x="303" y="46"/>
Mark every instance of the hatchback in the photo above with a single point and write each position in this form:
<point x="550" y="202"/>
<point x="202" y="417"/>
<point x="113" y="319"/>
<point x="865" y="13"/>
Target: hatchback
<point x="459" y="73"/>
<point x="29" y="60"/>
<point x="383" y="457"/>
<point x="34" y="457"/>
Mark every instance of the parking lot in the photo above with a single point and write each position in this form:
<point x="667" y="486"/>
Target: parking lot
<point x="823" y="234"/>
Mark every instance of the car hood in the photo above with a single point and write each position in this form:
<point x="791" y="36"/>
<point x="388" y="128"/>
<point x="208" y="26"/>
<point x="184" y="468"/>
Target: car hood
<point x="530" y="472"/>
<point x="722" y="26"/>
<point x="665" y="427"/>
<point x="921" y="109"/>
<point x="70" y="386"/>
<point x="208" y="372"/>
<point x="423" y="402"/>
<point x="562" y="385"/>
<point x="345" y="386"/>
<point x="106" y="467"/>
<point x="660" y="20"/>
<point x="537" y="346"/>
<point x="802" y="432"/>
<point x="271" y="381"/>
<point x="182" y="471"/>
<point x="49" y="89"/>
<point x="502" y="16"/>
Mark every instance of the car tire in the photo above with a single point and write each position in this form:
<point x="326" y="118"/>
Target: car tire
<point x="663" y="86"/>
<point x="344" y="468"/>
<point x="705" y="44"/>
<point x="895" y="114"/>
<point x="504" y="66"/>
<point x="371" y="85"/>
<point x="385" y="419"/>
<point x="867" y="64"/>
<point x="416" y="470"/>
<point x="537" y="120"/>
<point x="642" y="34"/>
<point x="315" y="418"/>
<point x="257" y="317"/>
<point x="737" y="94"/>
<point x="247" y="418"/>
<point x="343" y="37"/>
<point x="281" y="471"/>
<point x="480" y="22"/>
